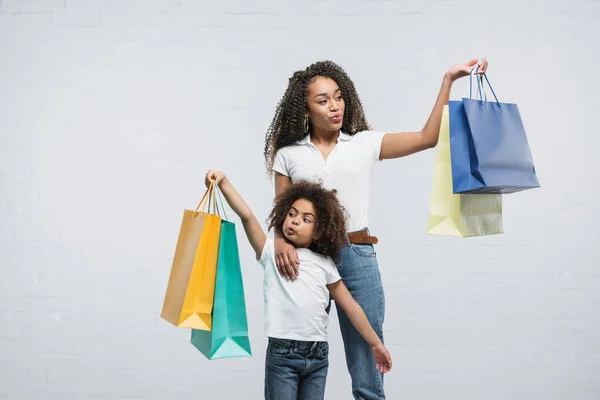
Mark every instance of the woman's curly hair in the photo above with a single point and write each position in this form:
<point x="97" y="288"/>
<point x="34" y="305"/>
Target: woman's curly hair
<point x="287" y="126"/>
<point x="330" y="221"/>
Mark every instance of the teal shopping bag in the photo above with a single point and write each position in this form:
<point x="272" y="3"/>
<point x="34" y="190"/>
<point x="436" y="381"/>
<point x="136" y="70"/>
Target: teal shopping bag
<point x="229" y="335"/>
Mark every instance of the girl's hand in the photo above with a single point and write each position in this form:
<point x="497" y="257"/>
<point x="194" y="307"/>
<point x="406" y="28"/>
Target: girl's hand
<point x="383" y="360"/>
<point x="286" y="258"/>
<point x="217" y="176"/>
<point x="460" y="70"/>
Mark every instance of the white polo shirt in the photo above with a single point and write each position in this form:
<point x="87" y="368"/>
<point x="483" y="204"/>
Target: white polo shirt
<point x="296" y="310"/>
<point x="347" y="169"/>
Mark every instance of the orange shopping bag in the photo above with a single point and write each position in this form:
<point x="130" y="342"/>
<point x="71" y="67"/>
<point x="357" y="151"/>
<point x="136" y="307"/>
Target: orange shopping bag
<point x="191" y="289"/>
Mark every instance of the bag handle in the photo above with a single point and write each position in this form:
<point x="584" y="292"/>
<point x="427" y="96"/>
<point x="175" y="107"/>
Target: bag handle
<point x="480" y="85"/>
<point x="206" y="200"/>
<point x="469" y="90"/>
<point x="214" y="193"/>
<point x="219" y="196"/>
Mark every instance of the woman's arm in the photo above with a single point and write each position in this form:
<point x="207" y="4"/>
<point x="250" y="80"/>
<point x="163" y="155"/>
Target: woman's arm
<point x="286" y="256"/>
<point x="281" y="183"/>
<point x="395" y="145"/>
<point x="254" y="232"/>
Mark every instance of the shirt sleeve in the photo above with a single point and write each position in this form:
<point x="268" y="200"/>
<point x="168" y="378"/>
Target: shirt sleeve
<point x="375" y="139"/>
<point x="370" y="141"/>
<point x="280" y="164"/>
<point x="266" y="257"/>
<point x="332" y="272"/>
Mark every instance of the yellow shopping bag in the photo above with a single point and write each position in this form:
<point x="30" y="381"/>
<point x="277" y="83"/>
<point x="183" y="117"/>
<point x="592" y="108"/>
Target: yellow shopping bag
<point x="191" y="289"/>
<point x="461" y="215"/>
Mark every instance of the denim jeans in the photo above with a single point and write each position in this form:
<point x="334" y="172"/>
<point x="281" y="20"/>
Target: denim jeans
<point x="296" y="370"/>
<point x="360" y="273"/>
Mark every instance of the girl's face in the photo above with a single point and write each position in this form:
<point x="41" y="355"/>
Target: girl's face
<point x="325" y="105"/>
<point x="299" y="226"/>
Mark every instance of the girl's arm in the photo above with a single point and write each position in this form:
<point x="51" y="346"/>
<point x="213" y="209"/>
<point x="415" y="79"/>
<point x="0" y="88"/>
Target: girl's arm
<point x="254" y="232"/>
<point x="339" y="292"/>
<point x="395" y="145"/>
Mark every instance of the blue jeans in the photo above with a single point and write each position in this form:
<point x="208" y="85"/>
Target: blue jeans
<point x="360" y="273"/>
<point x="296" y="370"/>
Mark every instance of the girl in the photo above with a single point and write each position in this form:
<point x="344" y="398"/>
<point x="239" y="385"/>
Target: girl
<point x="320" y="133"/>
<point x="311" y="219"/>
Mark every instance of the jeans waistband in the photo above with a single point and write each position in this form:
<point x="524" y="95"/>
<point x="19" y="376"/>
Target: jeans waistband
<point x="296" y="344"/>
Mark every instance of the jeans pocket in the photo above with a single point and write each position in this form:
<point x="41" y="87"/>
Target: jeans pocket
<point x="364" y="250"/>
<point x="323" y="352"/>
<point x="277" y="350"/>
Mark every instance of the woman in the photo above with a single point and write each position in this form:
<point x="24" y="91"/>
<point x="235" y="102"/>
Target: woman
<point x="320" y="134"/>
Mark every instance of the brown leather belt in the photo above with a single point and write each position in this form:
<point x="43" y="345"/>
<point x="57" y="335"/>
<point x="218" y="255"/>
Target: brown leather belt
<point x="362" y="237"/>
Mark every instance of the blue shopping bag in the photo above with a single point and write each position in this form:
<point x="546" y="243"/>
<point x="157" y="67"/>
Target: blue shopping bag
<point x="489" y="148"/>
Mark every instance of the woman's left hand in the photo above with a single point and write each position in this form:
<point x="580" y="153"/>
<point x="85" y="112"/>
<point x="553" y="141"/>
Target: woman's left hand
<point x="460" y="70"/>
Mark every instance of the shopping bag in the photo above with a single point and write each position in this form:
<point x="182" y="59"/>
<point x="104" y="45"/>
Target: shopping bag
<point x="461" y="215"/>
<point x="489" y="147"/>
<point x="229" y="335"/>
<point x="189" y="298"/>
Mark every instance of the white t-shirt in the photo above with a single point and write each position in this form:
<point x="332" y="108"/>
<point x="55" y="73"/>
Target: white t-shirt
<point x="296" y="309"/>
<point x="347" y="169"/>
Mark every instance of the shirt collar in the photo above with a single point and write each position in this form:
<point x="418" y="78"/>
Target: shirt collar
<point x="344" y="137"/>
<point x="304" y="140"/>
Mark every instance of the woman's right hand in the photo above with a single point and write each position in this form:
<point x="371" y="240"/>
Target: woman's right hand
<point x="460" y="70"/>
<point x="213" y="175"/>
<point x="286" y="258"/>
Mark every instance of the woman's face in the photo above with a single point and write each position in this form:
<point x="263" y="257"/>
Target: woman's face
<point x="325" y="104"/>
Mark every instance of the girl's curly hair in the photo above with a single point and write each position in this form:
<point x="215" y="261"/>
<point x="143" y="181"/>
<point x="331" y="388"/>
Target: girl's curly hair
<point x="287" y="126"/>
<point x="330" y="221"/>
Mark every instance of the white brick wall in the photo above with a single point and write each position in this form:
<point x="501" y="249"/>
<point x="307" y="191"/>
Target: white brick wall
<point x="112" y="110"/>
